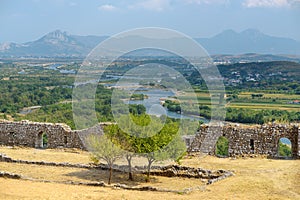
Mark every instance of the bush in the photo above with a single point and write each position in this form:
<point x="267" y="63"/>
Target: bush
<point x="222" y="146"/>
<point x="284" y="150"/>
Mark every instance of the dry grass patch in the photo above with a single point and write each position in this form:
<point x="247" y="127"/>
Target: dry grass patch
<point x="255" y="178"/>
<point x="67" y="174"/>
<point x="18" y="189"/>
<point x="48" y="155"/>
<point x="74" y="156"/>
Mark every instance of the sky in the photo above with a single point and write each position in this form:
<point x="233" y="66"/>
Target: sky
<point x="22" y="21"/>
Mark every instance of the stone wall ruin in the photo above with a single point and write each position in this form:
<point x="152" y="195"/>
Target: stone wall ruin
<point x="247" y="140"/>
<point x="243" y="140"/>
<point x="30" y="134"/>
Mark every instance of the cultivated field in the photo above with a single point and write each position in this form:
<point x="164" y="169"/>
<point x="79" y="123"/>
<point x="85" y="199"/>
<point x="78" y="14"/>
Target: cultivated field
<point x="267" y="102"/>
<point x="255" y="178"/>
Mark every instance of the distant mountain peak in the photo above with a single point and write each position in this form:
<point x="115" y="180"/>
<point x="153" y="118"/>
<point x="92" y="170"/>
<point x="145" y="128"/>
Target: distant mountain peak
<point x="57" y="33"/>
<point x="252" y="31"/>
<point x="227" y="31"/>
<point x="53" y="44"/>
<point x="247" y="32"/>
<point x="56" y="36"/>
<point x="5" y="46"/>
<point x="249" y="41"/>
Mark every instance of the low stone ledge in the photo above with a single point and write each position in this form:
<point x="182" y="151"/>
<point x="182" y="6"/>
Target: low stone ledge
<point x="188" y="172"/>
<point x="166" y="171"/>
<point x="227" y="174"/>
<point x="10" y="175"/>
<point x="114" y="186"/>
<point x="95" y="184"/>
<point x="155" y="189"/>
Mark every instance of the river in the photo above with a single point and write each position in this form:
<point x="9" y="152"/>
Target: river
<point x="153" y="104"/>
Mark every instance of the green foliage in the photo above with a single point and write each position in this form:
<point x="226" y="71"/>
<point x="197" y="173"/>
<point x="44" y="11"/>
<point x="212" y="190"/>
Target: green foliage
<point x="188" y="108"/>
<point x="45" y="140"/>
<point x="241" y="115"/>
<point x="257" y="95"/>
<point x="137" y="109"/>
<point x="53" y="91"/>
<point x="189" y="127"/>
<point x="103" y="148"/>
<point x="55" y="113"/>
<point x="222" y="146"/>
<point x="275" y="76"/>
<point x="244" y="115"/>
<point x="31" y="91"/>
<point x="138" y="97"/>
<point x="148" y="140"/>
<point x="151" y="139"/>
<point x="172" y="106"/>
<point x="55" y="101"/>
<point x="94" y="159"/>
<point x="284" y="150"/>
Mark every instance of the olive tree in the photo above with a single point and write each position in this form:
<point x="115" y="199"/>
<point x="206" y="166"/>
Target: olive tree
<point x="149" y="141"/>
<point x="103" y="148"/>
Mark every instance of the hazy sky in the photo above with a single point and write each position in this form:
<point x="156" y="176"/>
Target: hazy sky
<point x="23" y="21"/>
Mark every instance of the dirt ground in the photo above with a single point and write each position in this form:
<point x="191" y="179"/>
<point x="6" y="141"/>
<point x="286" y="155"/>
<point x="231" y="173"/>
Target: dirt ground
<point x="255" y="178"/>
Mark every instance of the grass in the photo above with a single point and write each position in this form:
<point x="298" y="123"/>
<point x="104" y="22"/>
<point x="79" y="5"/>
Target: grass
<point x="66" y="174"/>
<point x="266" y="102"/>
<point x="260" y="106"/>
<point x="273" y="96"/>
<point x="245" y="101"/>
<point x="255" y="178"/>
<point x="49" y="155"/>
<point x="60" y="155"/>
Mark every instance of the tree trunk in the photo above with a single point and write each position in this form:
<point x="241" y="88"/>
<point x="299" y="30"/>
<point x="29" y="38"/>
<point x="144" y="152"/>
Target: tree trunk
<point x="110" y="174"/>
<point x="148" y="170"/>
<point x="130" y="175"/>
<point x="148" y="175"/>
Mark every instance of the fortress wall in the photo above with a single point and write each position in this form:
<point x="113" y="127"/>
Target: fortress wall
<point x="29" y="134"/>
<point x="243" y="140"/>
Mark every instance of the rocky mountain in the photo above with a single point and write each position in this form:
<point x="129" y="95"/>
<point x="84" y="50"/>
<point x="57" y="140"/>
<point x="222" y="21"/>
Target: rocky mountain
<point x="249" y="41"/>
<point x="54" y="44"/>
<point x="61" y="44"/>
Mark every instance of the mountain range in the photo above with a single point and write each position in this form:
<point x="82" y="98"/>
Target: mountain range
<point x="62" y="44"/>
<point x="249" y="41"/>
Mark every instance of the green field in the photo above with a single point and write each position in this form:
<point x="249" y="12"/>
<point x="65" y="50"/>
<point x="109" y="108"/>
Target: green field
<point x="268" y="101"/>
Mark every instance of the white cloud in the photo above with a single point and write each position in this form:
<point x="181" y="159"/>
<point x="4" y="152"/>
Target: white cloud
<point x="107" y="7"/>
<point x="270" y="3"/>
<point x="155" y="5"/>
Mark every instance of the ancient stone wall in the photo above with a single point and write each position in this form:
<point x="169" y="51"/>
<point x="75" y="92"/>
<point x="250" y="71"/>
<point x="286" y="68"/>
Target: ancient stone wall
<point x="246" y="140"/>
<point x="30" y="134"/>
<point x="243" y="140"/>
